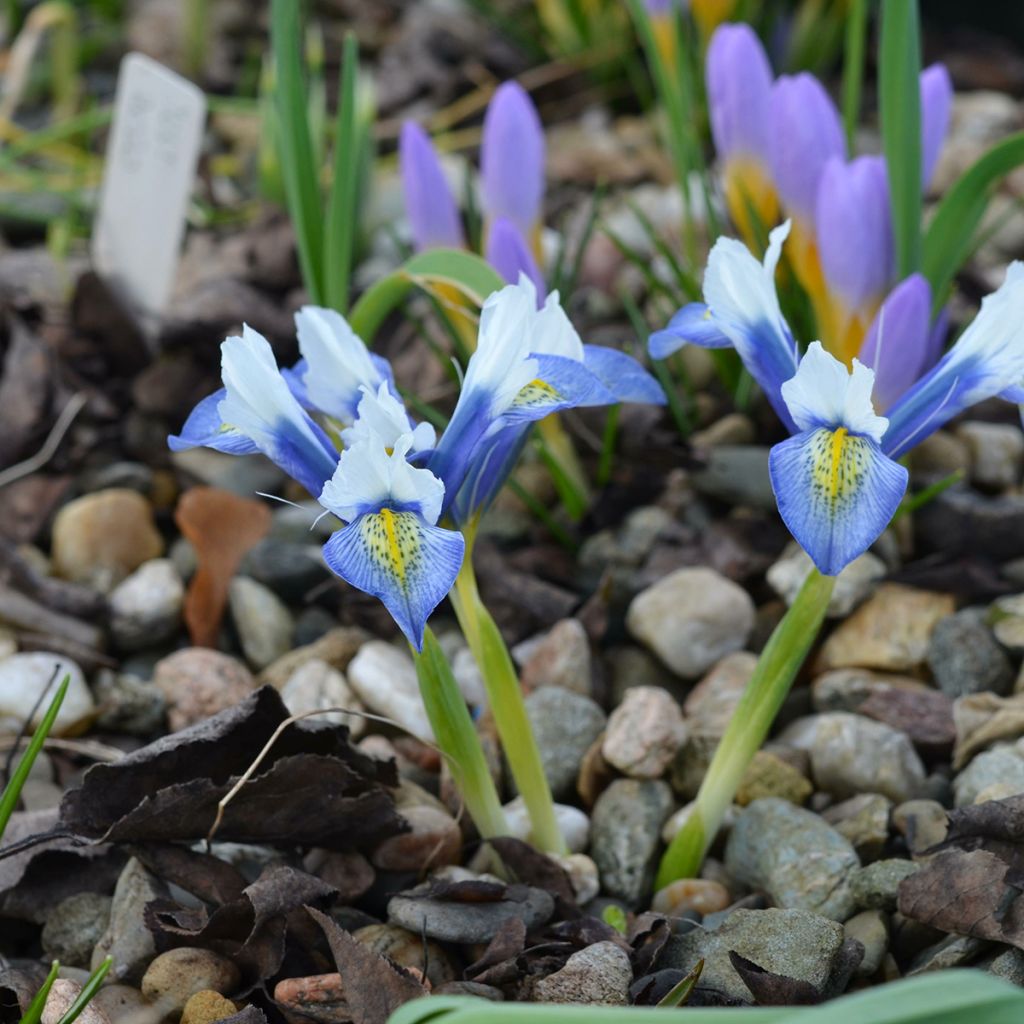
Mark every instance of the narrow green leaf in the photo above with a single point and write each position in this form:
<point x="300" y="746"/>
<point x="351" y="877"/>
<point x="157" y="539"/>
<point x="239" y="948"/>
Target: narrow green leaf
<point x="608" y="439"/>
<point x="681" y="992"/>
<point x="853" y="66"/>
<point x="9" y="799"/>
<point x="34" y="1011"/>
<point x="900" y="109"/>
<point x="342" y="203"/>
<point x="298" y="166"/>
<point x="949" y="239"/>
<point x="89" y="989"/>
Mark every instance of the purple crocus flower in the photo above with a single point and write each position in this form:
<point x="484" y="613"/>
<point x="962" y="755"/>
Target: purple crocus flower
<point x="936" y="105"/>
<point x="510" y="256"/>
<point x="429" y="204"/>
<point x="512" y="159"/>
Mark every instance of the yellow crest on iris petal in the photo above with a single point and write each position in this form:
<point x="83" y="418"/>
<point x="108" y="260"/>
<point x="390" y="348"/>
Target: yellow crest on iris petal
<point x="392" y="541"/>
<point x="839" y="460"/>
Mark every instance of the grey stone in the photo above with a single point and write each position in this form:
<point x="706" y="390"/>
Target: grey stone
<point x="180" y="973"/>
<point x="625" y="836"/>
<point x="1002" y="765"/>
<point x="800" y="860"/>
<point x="738" y="475"/>
<point x="145" y="608"/>
<point x="450" y="921"/>
<point x="128" y="704"/>
<point x="565" y="724"/>
<point x="871" y="930"/>
<point x="1008" y="965"/>
<point x="599" y="975"/>
<point x="795" y="943"/>
<point x="952" y="951"/>
<point x="74" y="926"/>
<point x="263" y="622"/>
<point x="864" y="820"/>
<point x="855" y="583"/>
<point x="384" y="679"/>
<point x="997" y="452"/>
<point x="644" y="732"/>
<point x="291" y="570"/>
<point x="964" y="656"/>
<point x="922" y="823"/>
<point x="561" y="657"/>
<point x="127" y="940"/>
<point x="876" y="887"/>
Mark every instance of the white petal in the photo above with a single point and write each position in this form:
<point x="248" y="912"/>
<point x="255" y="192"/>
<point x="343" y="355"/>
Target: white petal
<point x="553" y="334"/>
<point x="381" y="413"/>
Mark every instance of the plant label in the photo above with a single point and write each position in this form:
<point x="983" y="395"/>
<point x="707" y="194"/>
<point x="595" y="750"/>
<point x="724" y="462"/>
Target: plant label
<point x="147" y="180"/>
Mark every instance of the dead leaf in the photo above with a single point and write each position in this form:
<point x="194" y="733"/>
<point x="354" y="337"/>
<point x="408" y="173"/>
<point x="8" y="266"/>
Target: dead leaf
<point x="497" y="966"/>
<point x="27" y="384"/>
<point x="222" y="527"/>
<point x="771" y="989"/>
<point x="210" y="878"/>
<point x="532" y="867"/>
<point x="313" y="788"/>
<point x="648" y="934"/>
<point x="374" y="986"/>
<point x="967" y="892"/>
<point x="993" y="819"/>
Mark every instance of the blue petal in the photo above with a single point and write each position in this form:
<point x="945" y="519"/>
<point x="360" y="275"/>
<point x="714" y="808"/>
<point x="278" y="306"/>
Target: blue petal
<point x="692" y="325"/>
<point x="205" y="429"/>
<point x="492" y="463"/>
<point x="622" y="375"/>
<point x="398" y="557"/>
<point x="293" y="377"/>
<point x="561" y="383"/>
<point x="836" y="493"/>
<point x="1013" y="394"/>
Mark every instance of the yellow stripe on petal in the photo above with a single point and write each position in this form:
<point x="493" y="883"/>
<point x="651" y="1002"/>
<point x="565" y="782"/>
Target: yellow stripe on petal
<point x="536" y="395"/>
<point x="392" y="540"/>
<point x="838" y="463"/>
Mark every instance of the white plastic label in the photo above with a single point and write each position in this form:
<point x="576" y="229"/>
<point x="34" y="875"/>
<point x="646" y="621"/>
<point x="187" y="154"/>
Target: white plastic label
<point x="150" y="169"/>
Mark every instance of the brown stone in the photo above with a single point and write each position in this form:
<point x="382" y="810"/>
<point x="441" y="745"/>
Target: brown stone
<point x="197" y="683"/>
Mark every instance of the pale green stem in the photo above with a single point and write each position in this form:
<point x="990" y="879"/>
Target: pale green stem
<point x="773" y="676"/>
<point x="506" y="701"/>
<point x="458" y="739"/>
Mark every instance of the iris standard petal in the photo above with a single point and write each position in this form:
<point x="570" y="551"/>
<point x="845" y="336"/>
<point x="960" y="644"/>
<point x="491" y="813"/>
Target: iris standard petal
<point x="429" y="204"/>
<point x="383" y="416"/>
<point x="510" y="256"/>
<point x="338" y="364"/>
<point x="397" y="556"/>
<point x="512" y="158"/>
<point x="622" y="375"/>
<point x="205" y="429"/>
<point x="258" y="403"/>
<point x="495" y="459"/>
<point x="897" y="343"/>
<point x="739" y="85"/>
<point x="691" y="325"/>
<point x="561" y="383"/>
<point x="805" y="132"/>
<point x="987" y="359"/>
<point x="836" y="493"/>
<point x="741" y="293"/>
<point x="936" y="106"/>
<point x="854" y="230"/>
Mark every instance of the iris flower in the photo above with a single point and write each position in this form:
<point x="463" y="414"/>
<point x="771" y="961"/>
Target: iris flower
<point x="336" y="424"/>
<point x="837" y="480"/>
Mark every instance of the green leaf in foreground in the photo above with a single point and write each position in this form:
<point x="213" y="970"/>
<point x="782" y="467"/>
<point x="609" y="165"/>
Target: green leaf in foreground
<point x="89" y="989"/>
<point x="35" y="1008"/>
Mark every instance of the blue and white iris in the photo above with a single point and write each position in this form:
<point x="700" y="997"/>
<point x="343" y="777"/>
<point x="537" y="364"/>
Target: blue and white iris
<point x="836" y="480"/>
<point x="335" y="423"/>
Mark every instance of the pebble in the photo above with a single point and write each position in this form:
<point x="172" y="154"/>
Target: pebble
<point x="100" y="538"/>
<point x="644" y="733"/>
<point x="864" y="820"/>
<point x="127" y="939"/>
<point x="737" y="474"/>
<point x="1002" y="765"/>
<point x="876" y="886"/>
<point x="337" y="647"/>
<point x="207" y="1007"/>
<point x="964" y="656"/>
<point x="61" y="998"/>
<point x="851" y="754"/>
<point x="145" y="608"/>
<point x="733" y="428"/>
<point x="263" y="621"/>
<point x="964" y="520"/>
<point x="24" y="676"/>
<point x="952" y="951"/>
<point x="434" y="839"/>
<point x="845" y="689"/>
<point x="198" y="682"/>
<point x="467" y="675"/>
<point x="685" y="895"/>
<point x="922" y="823"/>
<point x="710" y="704"/>
<point x="180" y="973"/>
<point x="73" y="928"/>
<point x="120" y="1002"/>
<point x="792" y="942"/>
<point x="691" y="619"/>
<point x="983" y="719"/>
<point x="890" y="631"/>
<point x="128" y="704"/>
<point x="244" y="477"/>
<point x="452" y="921"/>
<point x="853" y="585"/>
<point x="408" y="950"/>
<point x="795" y="856"/>
<point x="1008" y="965"/>
<point x="769" y="775"/>
<point x="599" y="975"/>
<point x="287" y="569"/>
<point x="319" y="997"/>
<point x="626" y="836"/>
<point x="384" y="679"/>
<point x="311" y="624"/>
<point x="315" y="686"/>
<point x="996" y="452"/>
<point x="871" y="929"/>
<point x="939" y="455"/>
<point x="572" y="823"/>
<point x="583" y="875"/>
<point x="564" y="724"/>
<point x="561" y="658"/>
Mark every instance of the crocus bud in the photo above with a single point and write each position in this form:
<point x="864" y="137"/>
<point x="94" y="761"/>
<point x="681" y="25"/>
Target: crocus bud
<point x="805" y="132"/>
<point x="512" y="159"/>
<point x="936" y="103"/>
<point x="429" y="204"/>
<point x="509" y="254"/>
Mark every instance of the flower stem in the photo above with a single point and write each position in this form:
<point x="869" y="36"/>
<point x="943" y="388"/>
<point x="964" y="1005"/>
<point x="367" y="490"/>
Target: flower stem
<point x="506" y="700"/>
<point x="458" y="739"/>
<point x="773" y="675"/>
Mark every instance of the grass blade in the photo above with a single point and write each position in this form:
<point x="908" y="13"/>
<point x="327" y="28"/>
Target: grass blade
<point x="900" y="109"/>
<point x="853" y="66"/>
<point x="89" y="989"/>
<point x="342" y="202"/>
<point x="35" y="1008"/>
<point x="298" y="167"/>
<point x="12" y="790"/>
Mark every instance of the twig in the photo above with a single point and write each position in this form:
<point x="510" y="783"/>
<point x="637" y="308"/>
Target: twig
<point x="67" y="416"/>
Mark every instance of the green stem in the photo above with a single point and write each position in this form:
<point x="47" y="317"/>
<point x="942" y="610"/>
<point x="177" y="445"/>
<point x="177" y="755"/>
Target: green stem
<point x="457" y="738"/>
<point x="853" y="67"/>
<point x="774" y="674"/>
<point x="507" y="706"/>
